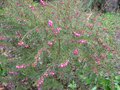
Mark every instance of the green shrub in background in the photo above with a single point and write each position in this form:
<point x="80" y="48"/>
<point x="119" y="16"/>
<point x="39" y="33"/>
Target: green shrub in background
<point x="57" y="46"/>
<point x="93" y="4"/>
<point x="102" y="5"/>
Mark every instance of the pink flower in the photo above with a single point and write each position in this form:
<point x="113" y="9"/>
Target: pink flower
<point x="76" y="34"/>
<point x="21" y="66"/>
<point x="56" y="32"/>
<point x="32" y="8"/>
<point x="50" y="23"/>
<point x="52" y="73"/>
<point x="63" y="65"/>
<point x="2" y="38"/>
<point x="43" y="3"/>
<point x="58" y="29"/>
<point x="76" y="52"/>
<point x="20" y="43"/>
<point x="82" y="41"/>
<point x="98" y="60"/>
<point x="50" y="43"/>
<point x="40" y="82"/>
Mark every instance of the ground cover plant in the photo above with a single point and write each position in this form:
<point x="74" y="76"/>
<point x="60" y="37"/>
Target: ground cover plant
<point x="55" y="45"/>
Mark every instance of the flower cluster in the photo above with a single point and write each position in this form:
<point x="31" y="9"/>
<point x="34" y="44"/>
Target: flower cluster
<point x="37" y="59"/>
<point x="40" y="82"/>
<point x="63" y="65"/>
<point x="57" y="30"/>
<point x="21" y="66"/>
<point x="21" y="43"/>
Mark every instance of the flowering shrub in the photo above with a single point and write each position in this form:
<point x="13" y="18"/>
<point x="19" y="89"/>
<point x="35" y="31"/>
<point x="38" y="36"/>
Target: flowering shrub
<point x="57" y="47"/>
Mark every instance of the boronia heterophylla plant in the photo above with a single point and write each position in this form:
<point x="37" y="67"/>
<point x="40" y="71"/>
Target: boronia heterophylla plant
<point x="56" y="44"/>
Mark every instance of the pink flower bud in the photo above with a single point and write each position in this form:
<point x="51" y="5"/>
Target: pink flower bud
<point x="56" y="32"/>
<point x="21" y="66"/>
<point x="98" y="60"/>
<point x="50" y="43"/>
<point x="42" y="3"/>
<point x="52" y="73"/>
<point x="3" y="38"/>
<point x="50" y="23"/>
<point x="76" y="34"/>
<point x="76" y="52"/>
<point x="40" y="82"/>
<point x="58" y="29"/>
<point x="20" y="43"/>
<point x="63" y="65"/>
<point x="82" y="41"/>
